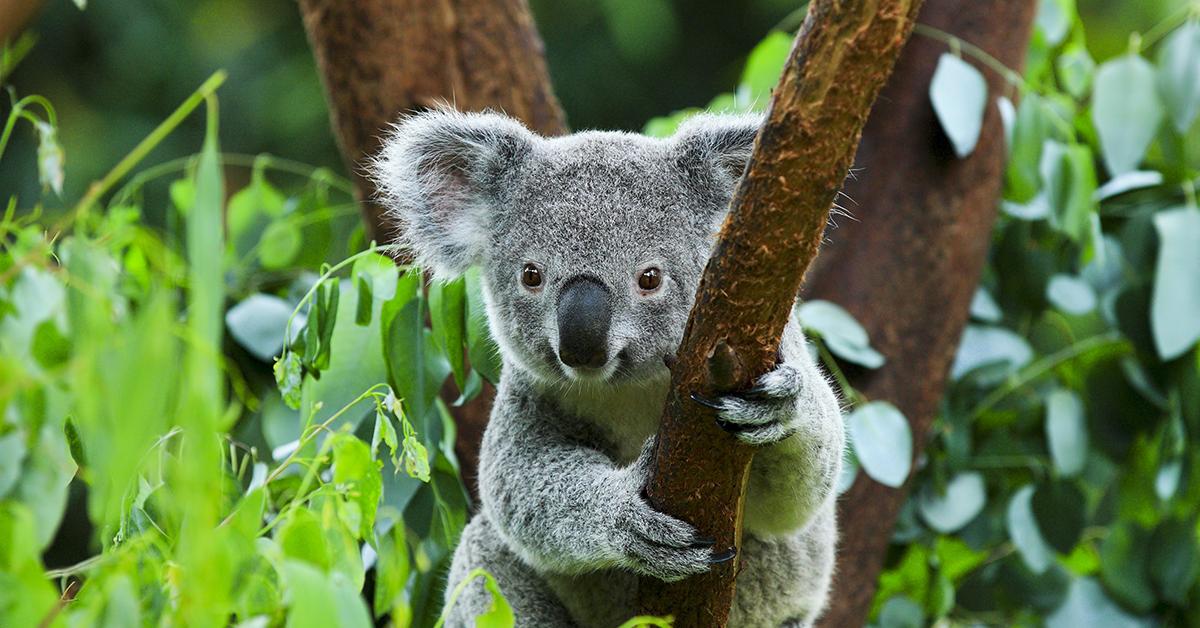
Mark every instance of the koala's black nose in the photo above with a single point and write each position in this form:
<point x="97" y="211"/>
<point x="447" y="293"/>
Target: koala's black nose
<point x="584" y="315"/>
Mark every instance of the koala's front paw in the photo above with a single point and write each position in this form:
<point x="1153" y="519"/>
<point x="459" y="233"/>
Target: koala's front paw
<point x="664" y="547"/>
<point x="763" y="414"/>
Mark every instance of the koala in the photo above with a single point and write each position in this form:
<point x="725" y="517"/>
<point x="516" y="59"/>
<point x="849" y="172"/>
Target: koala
<point x="591" y="247"/>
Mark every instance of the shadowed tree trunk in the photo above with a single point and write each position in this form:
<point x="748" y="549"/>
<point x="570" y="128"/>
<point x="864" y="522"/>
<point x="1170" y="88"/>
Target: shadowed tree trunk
<point x="379" y="59"/>
<point x="909" y="263"/>
<point x="841" y="59"/>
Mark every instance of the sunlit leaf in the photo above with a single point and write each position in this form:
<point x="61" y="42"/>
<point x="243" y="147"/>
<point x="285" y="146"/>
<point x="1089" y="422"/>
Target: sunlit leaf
<point x="959" y="96"/>
<point x="1175" y="305"/>
<point x="258" y="323"/>
<point x="1179" y="74"/>
<point x="1126" y="111"/>
<point x="882" y="442"/>
<point x="1066" y="431"/>
<point x="1023" y="530"/>
<point x="947" y="512"/>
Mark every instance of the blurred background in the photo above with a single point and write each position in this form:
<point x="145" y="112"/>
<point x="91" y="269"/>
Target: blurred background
<point x="117" y="68"/>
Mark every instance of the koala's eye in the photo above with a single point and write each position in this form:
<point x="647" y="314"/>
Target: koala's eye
<point x="531" y="276"/>
<point x="650" y="279"/>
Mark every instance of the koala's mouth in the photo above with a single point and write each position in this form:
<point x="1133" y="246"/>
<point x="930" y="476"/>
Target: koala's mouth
<point x="601" y="373"/>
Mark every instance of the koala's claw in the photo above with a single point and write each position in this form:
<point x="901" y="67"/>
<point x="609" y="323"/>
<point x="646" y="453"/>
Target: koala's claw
<point x="723" y="557"/>
<point x="762" y="414"/>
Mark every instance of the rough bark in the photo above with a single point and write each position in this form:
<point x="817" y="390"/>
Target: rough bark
<point x="840" y="61"/>
<point x="909" y="263"/>
<point x="381" y="58"/>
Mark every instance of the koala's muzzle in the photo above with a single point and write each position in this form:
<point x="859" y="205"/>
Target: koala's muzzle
<point x="584" y="316"/>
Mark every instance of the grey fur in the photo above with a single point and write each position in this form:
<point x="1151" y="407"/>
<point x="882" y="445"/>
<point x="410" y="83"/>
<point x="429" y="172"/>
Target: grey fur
<point x="563" y="525"/>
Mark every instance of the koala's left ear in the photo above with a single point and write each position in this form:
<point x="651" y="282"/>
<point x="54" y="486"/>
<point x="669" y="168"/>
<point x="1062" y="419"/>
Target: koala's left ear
<point x="712" y="149"/>
<point x="439" y="175"/>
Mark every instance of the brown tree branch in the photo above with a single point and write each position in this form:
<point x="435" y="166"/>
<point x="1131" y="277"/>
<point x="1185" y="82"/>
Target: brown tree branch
<point x="841" y="59"/>
<point x="909" y="264"/>
<point x="381" y="58"/>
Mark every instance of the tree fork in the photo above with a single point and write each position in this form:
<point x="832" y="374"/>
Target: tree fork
<point x="841" y="59"/>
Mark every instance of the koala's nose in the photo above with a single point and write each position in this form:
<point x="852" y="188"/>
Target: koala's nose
<point x="584" y="315"/>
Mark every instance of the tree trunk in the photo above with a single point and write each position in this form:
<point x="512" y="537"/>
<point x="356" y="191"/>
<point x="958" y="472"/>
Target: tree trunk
<point x="381" y="58"/>
<point x="909" y="263"/>
<point x="841" y="59"/>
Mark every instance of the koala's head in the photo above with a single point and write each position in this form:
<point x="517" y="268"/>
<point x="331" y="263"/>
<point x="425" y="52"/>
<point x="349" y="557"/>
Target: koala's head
<point x="591" y="245"/>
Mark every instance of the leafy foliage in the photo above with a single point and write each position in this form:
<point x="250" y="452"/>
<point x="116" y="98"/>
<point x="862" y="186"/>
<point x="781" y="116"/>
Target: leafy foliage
<point x="247" y="410"/>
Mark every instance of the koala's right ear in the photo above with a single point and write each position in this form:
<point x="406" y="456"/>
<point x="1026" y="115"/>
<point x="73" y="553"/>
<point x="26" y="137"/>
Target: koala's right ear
<point x="439" y="174"/>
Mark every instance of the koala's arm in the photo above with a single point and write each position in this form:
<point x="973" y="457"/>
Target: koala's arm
<point x="793" y="479"/>
<point x="567" y="508"/>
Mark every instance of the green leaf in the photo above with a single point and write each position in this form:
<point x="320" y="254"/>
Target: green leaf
<point x="49" y="157"/>
<point x="50" y="348"/>
<point x="12" y="454"/>
<point x="1123" y="566"/>
<point x="250" y="211"/>
<point x="982" y="345"/>
<point x="1075" y="70"/>
<point x="959" y="96"/>
<point x="279" y="244"/>
<point x="404" y="347"/>
<point x="1174" y="560"/>
<point x="964" y="498"/>
<point x="258" y="323"/>
<point x="1087" y="605"/>
<point x="1069" y="178"/>
<point x="1128" y="181"/>
<point x="1058" y="506"/>
<point x="391" y="574"/>
<point x="357" y="473"/>
<point x="498" y="615"/>
<point x="300" y="536"/>
<point x="365" y="302"/>
<point x="381" y="272"/>
<point x="1179" y="74"/>
<point x="1054" y="19"/>
<point x="984" y="307"/>
<point x="844" y="336"/>
<point x="1126" y="111"/>
<point x="1066" y="431"/>
<point x="289" y="377"/>
<point x="1071" y="294"/>
<point x="1023" y="530"/>
<point x="482" y="349"/>
<point x="416" y="458"/>
<point x="1175" y="303"/>
<point x="1022" y="177"/>
<point x="447" y="314"/>
<point x="765" y="65"/>
<point x="901" y="612"/>
<point x="882" y="442"/>
<point x="319" y="600"/>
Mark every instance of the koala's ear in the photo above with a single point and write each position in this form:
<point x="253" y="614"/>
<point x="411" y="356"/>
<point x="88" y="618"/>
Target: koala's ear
<point x="712" y="149"/>
<point x="439" y="175"/>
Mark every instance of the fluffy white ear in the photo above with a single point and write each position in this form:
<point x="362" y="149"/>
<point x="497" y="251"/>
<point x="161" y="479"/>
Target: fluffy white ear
<point x="439" y="175"/>
<point x="712" y="149"/>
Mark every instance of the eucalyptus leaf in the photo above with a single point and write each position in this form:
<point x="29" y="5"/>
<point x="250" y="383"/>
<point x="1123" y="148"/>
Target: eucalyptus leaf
<point x="1087" y="605"/>
<point x="1175" y="304"/>
<point x="959" y="95"/>
<point x="1071" y="294"/>
<point x="1066" y="431"/>
<point x="1179" y="74"/>
<point x="258" y="323"/>
<point x="981" y="345"/>
<point x="948" y="512"/>
<point x="882" y="442"/>
<point x="1126" y="111"/>
<point x="1024" y="532"/>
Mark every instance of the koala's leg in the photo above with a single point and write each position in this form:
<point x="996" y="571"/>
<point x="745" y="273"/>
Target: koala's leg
<point x="785" y="579"/>
<point x="533" y="604"/>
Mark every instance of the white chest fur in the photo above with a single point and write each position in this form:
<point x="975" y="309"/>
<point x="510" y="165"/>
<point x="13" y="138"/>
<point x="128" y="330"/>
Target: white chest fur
<point x="627" y="415"/>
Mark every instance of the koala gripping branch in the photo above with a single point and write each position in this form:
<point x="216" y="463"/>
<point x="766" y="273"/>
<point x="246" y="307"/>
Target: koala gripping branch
<point x="842" y="56"/>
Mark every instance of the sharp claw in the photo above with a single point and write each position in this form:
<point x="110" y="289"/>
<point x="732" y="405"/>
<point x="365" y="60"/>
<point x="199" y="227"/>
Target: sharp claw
<point x="706" y="402"/>
<point x="733" y="428"/>
<point x="723" y="557"/>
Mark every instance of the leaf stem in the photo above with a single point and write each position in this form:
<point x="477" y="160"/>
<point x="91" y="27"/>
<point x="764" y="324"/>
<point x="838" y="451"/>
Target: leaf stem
<point x="956" y="44"/>
<point x="1036" y="369"/>
<point x="97" y="189"/>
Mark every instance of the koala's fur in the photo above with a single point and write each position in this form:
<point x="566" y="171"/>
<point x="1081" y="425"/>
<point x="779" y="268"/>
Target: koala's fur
<point x="563" y="526"/>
